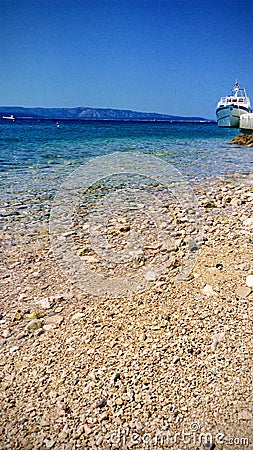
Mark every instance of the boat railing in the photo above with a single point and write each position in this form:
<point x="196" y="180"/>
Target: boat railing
<point x="230" y="99"/>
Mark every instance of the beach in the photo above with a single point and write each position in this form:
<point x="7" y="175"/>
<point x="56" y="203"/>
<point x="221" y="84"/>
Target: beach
<point x="126" y="225"/>
<point x="170" y="367"/>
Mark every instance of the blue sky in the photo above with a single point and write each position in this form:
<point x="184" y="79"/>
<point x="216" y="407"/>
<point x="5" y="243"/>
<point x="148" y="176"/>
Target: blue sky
<point x="168" y="56"/>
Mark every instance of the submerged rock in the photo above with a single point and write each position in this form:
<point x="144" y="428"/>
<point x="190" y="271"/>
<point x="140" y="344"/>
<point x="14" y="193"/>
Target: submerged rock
<point x="35" y="324"/>
<point x="243" y="139"/>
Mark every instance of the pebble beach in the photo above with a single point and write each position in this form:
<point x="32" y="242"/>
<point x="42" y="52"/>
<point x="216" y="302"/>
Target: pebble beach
<point x="170" y="367"/>
<point x="126" y="225"/>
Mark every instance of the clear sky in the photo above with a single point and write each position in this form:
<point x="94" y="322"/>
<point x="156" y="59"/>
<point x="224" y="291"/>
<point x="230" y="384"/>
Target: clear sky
<point x="168" y="56"/>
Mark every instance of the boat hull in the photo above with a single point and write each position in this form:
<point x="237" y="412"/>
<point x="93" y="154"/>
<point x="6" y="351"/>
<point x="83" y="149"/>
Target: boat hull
<point x="229" y="116"/>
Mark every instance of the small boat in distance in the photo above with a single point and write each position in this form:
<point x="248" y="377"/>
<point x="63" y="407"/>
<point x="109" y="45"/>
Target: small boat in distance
<point x="230" y="108"/>
<point x="11" y="117"/>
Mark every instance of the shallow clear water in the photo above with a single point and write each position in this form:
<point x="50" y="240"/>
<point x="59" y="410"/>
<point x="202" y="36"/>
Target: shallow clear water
<point x="194" y="149"/>
<point x="36" y="157"/>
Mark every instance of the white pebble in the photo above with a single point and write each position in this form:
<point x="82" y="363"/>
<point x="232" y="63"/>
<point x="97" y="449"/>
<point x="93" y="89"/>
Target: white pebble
<point x="14" y="349"/>
<point x="78" y="316"/>
<point x="48" y="443"/>
<point x="248" y="222"/>
<point x="208" y="290"/>
<point x="150" y="276"/>
<point x="249" y="281"/>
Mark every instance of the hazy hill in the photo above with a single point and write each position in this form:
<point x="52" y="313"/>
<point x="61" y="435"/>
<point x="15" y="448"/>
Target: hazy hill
<point x="86" y="113"/>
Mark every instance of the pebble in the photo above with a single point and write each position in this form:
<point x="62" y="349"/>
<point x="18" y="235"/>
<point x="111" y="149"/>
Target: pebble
<point x="49" y="443"/>
<point x="63" y="435"/>
<point x="209" y="446"/>
<point x="245" y="415"/>
<point x="14" y="349"/>
<point x="58" y="309"/>
<point x="104" y="416"/>
<point x="35" y="315"/>
<point x="138" y="426"/>
<point x="55" y="320"/>
<point x="34" y="325"/>
<point x="101" y="403"/>
<point x="249" y="281"/>
<point x="49" y="326"/>
<point x="208" y="291"/>
<point x="248" y="222"/>
<point x="217" y="339"/>
<point x="87" y="430"/>
<point x="119" y="401"/>
<point x="44" y="303"/>
<point x="175" y="359"/>
<point x="17" y="316"/>
<point x="99" y="441"/>
<point x="235" y="202"/>
<point x="22" y="421"/>
<point x="243" y="291"/>
<point x="79" y="431"/>
<point x="78" y="316"/>
<point x="22" y="334"/>
<point x="90" y="259"/>
<point x="6" y="333"/>
<point x="124" y="228"/>
<point x="244" y="266"/>
<point x="150" y="276"/>
<point x="115" y="377"/>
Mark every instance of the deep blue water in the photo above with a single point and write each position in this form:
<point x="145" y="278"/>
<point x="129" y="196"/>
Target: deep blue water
<point x="36" y="156"/>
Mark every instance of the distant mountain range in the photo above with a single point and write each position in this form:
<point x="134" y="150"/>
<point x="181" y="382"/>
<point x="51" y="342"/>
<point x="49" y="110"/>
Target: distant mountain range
<point x="85" y="113"/>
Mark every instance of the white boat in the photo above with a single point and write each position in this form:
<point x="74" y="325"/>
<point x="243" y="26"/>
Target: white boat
<point x="230" y="108"/>
<point x="246" y="123"/>
<point x="11" y="117"/>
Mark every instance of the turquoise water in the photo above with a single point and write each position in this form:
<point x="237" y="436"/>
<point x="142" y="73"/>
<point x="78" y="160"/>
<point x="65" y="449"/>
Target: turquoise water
<point x="36" y="157"/>
<point x="197" y="150"/>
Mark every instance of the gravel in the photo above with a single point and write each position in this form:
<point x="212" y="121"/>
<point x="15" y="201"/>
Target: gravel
<point x="158" y="369"/>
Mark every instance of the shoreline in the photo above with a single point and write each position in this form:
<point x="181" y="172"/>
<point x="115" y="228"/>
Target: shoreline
<point x="76" y="368"/>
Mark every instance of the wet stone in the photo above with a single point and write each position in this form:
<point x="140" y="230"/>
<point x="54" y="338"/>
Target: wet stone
<point x="34" y="325"/>
<point x="101" y="403"/>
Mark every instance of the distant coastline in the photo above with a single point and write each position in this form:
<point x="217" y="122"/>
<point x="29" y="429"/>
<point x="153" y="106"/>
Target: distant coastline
<point x="92" y="114"/>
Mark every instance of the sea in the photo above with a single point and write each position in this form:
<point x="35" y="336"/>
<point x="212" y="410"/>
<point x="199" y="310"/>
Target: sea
<point x="37" y="156"/>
